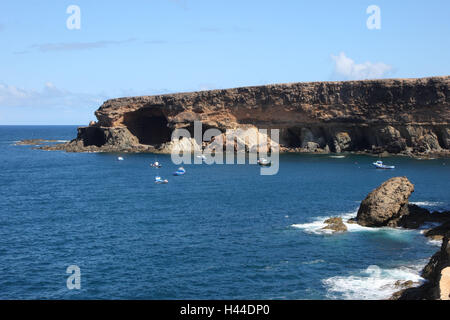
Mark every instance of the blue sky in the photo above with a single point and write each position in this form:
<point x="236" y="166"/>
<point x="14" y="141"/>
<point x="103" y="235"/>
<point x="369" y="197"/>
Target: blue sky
<point x="52" y="75"/>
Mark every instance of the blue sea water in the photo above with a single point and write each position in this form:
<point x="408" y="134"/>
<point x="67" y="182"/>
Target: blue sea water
<point x="218" y="232"/>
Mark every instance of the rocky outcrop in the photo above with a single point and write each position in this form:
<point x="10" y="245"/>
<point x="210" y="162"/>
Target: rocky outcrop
<point x="388" y="205"/>
<point x="406" y="116"/>
<point x="245" y="138"/>
<point x="34" y="142"/>
<point x="385" y="204"/>
<point x="439" y="232"/>
<point x="103" y="139"/>
<point x="437" y="276"/>
<point x="335" y="224"/>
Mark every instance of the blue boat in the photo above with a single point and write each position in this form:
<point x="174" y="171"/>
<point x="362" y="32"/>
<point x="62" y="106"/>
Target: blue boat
<point x="379" y="165"/>
<point x="181" y="171"/>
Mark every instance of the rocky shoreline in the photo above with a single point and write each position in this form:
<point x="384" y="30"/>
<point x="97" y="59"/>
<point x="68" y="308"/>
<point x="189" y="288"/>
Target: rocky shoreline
<point x="77" y="146"/>
<point x="388" y="206"/>
<point x="408" y="117"/>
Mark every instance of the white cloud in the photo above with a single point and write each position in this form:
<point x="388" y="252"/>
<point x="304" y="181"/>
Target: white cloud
<point x="48" y="105"/>
<point x="346" y="68"/>
<point x="48" y="96"/>
<point x="73" y="46"/>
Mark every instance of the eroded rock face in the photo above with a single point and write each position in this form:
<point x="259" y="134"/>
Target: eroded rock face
<point x="342" y="142"/>
<point x="444" y="284"/>
<point x="409" y="116"/>
<point x="246" y="138"/>
<point x="181" y="145"/>
<point x="385" y="203"/>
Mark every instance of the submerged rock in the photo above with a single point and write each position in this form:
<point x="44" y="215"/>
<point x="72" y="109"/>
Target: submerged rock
<point x="335" y="224"/>
<point x="385" y="203"/>
<point x="403" y="284"/>
<point x="33" y="142"/>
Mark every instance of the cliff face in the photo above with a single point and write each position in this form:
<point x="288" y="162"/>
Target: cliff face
<point x="410" y="116"/>
<point x="437" y="276"/>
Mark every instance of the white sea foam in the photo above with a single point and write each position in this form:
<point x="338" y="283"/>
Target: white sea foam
<point x="428" y="203"/>
<point x="316" y="226"/>
<point x="314" y="261"/>
<point x="437" y="243"/>
<point x="374" y="283"/>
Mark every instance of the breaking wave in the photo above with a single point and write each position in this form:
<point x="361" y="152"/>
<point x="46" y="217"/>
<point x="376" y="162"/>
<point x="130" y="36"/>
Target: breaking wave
<point x="316" y="226"/>
<point x="373" y="283"/>
<point x="437" y="205"/>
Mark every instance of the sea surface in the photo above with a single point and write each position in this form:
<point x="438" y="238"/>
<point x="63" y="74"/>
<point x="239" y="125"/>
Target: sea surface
<point x="219" y="232"/>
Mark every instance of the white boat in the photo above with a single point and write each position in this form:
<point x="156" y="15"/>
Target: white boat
<point x="120" y="159"/>
<point x="379" y="165"/>
<point x="156" y="164"/>
<point x="264" y="162"/>
<point x="337" y="157"/>
<point x="159" y="180"/>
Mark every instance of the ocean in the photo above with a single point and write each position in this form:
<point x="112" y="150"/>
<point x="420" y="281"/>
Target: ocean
<point x="218" y="232"/>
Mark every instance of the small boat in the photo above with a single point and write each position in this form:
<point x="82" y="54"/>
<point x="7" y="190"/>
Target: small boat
<point x="181" y="171"/>
<point x="379" y="165"/>
<point x="337" y="157"/>
<point x="264" y="162"/>
<point x="156" y="164"/>
<point x="120" y="159"/>
<point x="159" y="180"/>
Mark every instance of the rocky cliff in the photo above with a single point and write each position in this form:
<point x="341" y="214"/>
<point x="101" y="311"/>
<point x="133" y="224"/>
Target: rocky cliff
<point x="408" y="116"/>
<point x="437" y="276"/>
<point x="388" y="205"/>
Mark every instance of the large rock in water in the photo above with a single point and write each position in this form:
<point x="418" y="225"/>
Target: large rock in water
<point x="385" y="203"/>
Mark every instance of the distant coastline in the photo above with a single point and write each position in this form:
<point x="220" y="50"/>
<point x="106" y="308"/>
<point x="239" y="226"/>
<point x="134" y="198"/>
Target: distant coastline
<point x="408" y="117"/>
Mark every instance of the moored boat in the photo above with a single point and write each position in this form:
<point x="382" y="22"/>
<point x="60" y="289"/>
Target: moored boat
<point x="181" y="171"/>
<point x="379" y="165"/>
<point x="156" y="164"/>
<point x="264" y="162"/>
<point x="159" y="180"/>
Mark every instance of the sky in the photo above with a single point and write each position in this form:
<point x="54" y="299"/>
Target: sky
<point x="53" y="74"/>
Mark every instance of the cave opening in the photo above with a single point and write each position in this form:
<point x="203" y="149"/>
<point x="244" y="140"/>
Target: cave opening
<point x="291" y="137"/>
<point x="149" y="125"/>
<point x="93" y="136"/>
